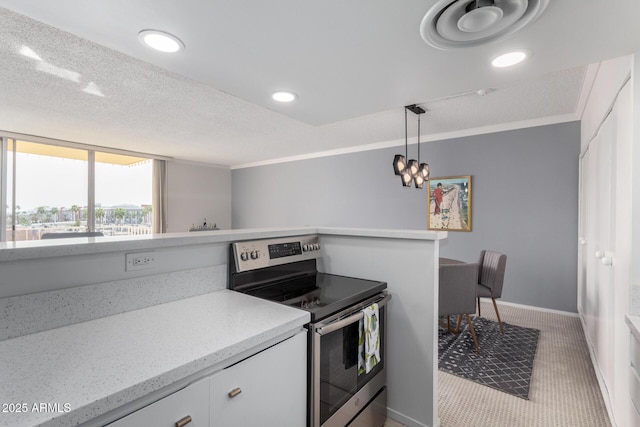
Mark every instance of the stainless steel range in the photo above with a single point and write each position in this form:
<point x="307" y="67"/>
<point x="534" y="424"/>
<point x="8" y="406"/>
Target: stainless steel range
<point x="341" y="393"/>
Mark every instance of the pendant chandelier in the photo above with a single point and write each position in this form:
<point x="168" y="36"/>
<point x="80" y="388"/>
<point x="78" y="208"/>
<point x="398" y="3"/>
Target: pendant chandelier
<point x="411" y="171"/>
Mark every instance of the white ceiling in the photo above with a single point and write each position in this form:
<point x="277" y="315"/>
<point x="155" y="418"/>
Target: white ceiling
<point x="354" y="65"/>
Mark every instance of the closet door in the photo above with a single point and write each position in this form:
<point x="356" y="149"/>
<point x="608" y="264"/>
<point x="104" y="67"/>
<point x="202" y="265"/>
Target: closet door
<point x="605" y="248"/>
<point x="595" y="286"/>
<point x="620" y="256"/>
<point x="584" y="248"/>
<point x="605" y="187"/>
<point x="596" y="195"/>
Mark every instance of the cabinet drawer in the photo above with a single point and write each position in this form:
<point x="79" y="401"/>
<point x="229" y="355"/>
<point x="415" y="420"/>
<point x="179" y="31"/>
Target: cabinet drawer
<point x="268" y="389"/>
<point x="192" y="401"/>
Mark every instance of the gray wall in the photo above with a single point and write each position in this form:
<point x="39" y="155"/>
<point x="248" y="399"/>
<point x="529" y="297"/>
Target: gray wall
<point x="197" y="191"/>
<point x="524" y="202"/>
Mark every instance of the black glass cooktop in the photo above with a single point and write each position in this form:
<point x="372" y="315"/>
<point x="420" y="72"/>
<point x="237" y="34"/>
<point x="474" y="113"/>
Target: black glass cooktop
<point x="319" y="293"/>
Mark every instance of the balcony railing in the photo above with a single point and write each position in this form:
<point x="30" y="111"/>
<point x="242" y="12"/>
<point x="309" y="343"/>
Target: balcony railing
<point x="35" y="232"/>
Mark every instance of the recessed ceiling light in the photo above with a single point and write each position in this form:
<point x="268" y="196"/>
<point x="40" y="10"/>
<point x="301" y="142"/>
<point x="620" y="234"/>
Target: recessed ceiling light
<point x="283" y="96"/>
<point x="509" y="59"/>
<point x="159" y="40"/>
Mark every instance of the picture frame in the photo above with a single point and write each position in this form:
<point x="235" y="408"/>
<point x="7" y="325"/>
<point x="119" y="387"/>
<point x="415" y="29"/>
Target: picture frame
<point x="449" y="203"/>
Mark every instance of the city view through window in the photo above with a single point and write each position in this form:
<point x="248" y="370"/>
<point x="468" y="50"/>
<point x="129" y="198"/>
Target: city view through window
<point x="52" y="186"/>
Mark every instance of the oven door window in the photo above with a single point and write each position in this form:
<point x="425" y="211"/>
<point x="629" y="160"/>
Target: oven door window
<point x="339" y="379"/>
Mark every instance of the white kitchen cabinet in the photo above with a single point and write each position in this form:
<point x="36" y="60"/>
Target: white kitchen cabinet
<point x="188" y="407"/>
<point x="267" y="389"/>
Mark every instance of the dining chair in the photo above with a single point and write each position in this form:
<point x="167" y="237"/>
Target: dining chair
<point x="457" y="295"/>
<point x="490" y="279"/>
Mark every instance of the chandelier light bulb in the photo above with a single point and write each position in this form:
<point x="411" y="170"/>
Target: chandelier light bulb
<point x="424" y="170"/>
<point x="413" y="166"/>
<point x="406" y="179"/>
<point x="399" y="164"/>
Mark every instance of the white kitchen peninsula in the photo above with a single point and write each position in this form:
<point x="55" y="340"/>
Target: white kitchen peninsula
<point x="101" y="365"/>
<point x="77" y="289"/>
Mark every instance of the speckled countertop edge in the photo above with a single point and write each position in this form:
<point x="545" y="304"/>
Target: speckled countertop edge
<point x="100" y="365"/>
<point x="14" y="251"/>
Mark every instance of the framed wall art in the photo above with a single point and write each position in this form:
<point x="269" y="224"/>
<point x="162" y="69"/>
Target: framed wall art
<point x="449" y="203"/>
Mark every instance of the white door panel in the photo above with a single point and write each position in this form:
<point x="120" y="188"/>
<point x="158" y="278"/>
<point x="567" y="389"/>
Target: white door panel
<point x="605" y="248"/>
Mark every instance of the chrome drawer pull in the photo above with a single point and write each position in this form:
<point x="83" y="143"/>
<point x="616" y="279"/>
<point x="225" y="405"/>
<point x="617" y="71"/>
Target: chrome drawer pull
<point x="183" y="422"/>
<point x="233" y="393"/>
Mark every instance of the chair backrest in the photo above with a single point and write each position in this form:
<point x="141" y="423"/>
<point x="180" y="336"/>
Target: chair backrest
<point x="457" y="288"/>
<point x="491" y="271"/>
<point x="70" y="235"/>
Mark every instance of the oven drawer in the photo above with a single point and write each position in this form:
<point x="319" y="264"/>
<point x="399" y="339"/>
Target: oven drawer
<point x="375" y="414"/>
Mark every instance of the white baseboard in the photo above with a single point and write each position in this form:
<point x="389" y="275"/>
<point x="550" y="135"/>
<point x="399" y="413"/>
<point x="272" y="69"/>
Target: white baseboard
<point x="532" y="307"/>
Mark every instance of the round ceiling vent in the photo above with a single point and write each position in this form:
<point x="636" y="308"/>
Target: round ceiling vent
<point x="464" y="23"/>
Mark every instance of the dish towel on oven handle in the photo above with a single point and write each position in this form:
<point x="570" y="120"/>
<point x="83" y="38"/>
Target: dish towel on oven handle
<point x="369" y="340"/>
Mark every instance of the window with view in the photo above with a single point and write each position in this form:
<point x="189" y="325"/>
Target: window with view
<point x="123" y="194"/>
<point x="48" y="189"/>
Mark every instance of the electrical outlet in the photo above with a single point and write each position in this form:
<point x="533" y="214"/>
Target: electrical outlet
<point x="140" y="261"/>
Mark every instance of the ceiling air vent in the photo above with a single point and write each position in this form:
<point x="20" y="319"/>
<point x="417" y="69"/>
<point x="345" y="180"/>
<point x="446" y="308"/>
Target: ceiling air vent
<point x="465" y="23"/>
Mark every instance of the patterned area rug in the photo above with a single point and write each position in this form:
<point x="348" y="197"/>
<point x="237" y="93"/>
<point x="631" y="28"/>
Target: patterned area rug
<point x="505" y="362"/>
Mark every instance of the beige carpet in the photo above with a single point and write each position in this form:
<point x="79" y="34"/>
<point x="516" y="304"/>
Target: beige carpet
<point x="564" y="389"/>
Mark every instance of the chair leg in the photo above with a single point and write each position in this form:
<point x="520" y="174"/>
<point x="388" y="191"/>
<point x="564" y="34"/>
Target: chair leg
<point x="495" y="306"/>
<point x="446" y="325"/>
<point x="457" y="331"/>
<point x="479" y="307"/>
<point x="473" y="334"/>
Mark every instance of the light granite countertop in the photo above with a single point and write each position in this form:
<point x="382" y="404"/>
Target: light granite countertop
<point x="94" y="367"/>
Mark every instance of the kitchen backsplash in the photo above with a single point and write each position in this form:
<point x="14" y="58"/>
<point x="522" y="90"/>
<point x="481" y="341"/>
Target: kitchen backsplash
<point x="28" y="314"/>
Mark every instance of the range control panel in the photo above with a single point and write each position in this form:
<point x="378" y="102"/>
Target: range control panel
<point x="254" y="254"/>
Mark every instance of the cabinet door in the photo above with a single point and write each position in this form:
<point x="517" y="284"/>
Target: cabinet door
<point x="267" y="389"/>
<point x="191" y="402"/>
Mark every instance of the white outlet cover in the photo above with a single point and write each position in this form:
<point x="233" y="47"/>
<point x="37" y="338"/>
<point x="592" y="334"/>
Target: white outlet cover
<point x="139" y="261"/>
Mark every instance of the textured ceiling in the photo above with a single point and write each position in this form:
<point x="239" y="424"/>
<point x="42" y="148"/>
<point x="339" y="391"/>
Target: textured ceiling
<point x="354" y="65"/>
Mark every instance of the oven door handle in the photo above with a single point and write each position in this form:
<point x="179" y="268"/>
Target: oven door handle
<point x="322" y="329"/>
